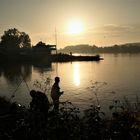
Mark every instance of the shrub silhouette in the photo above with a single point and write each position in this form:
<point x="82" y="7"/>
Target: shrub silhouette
<point x="46" y="124"/>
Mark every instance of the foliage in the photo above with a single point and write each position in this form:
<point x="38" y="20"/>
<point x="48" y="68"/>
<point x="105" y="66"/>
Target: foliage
<point x="126" y="123"/>
<point x="40" y="44"/>
<point x="14" y="39"/>
<point x="44" y="84"/>
<point x="66" y="123"/>
<point x="93" y="123"/>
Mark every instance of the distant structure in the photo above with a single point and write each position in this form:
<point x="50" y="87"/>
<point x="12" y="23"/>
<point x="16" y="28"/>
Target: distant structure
<point x="41" y="47"/>
<point x="39" y="52"/>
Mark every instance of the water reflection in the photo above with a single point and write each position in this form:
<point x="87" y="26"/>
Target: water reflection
<point x="76" y="74"/>
<point x="41" y="68"/>
<point x="15" y="73"/>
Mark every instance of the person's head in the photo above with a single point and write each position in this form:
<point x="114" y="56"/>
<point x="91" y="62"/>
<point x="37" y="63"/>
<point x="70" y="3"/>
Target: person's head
<point x="57" y="79"/>
<point x="33" y="93"/>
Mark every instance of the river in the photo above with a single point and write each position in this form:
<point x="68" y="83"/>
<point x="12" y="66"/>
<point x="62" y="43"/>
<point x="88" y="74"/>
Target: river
<point x="115" y="77"/>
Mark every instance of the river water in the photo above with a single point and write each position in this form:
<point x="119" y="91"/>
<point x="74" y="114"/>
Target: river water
<point x="115" y="77"/>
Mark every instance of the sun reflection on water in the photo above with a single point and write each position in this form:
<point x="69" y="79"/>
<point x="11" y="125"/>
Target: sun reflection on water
<point x="76" y="74"/>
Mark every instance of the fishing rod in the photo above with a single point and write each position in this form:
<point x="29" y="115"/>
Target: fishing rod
<point x="25" y="82"/>
<point x="14" y="92"/>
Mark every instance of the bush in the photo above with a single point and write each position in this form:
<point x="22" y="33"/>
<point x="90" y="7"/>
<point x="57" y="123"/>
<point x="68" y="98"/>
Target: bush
<point x="66" y="123"/>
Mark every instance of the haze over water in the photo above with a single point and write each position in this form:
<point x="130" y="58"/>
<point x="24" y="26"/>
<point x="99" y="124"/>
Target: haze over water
<point x="120" y="72"/>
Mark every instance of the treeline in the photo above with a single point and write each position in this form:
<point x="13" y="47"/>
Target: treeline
<point x="16" y="46"/>
<point x="13" y="39"/>
<point x="85" y="48"/>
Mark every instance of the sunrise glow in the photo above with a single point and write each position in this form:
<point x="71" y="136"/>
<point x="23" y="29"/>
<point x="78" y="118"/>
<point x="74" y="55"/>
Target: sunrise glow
<point x="75" y="27"/>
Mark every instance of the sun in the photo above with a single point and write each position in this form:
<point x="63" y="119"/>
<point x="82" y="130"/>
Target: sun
<point x="75" y="27"/>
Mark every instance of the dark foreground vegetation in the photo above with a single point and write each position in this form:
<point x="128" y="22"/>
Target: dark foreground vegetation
<point x="41" y="122"/>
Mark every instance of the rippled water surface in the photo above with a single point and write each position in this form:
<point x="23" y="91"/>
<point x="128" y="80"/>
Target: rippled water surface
<point x="121" y="73"/>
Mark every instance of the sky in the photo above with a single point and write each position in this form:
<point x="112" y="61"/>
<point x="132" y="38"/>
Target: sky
<point x="104" y="22"/>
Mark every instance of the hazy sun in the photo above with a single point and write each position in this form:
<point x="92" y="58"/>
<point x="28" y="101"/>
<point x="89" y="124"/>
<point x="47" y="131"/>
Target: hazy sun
<point x="75" y="27"/>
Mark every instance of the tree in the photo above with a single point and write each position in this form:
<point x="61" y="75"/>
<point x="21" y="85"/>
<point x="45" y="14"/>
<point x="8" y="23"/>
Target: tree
<point x="15" y="39"/>
<point x="26" y="41"/>
<point x="40" y="44"/>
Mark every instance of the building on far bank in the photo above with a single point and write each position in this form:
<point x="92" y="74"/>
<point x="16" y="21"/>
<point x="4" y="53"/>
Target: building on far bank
<point x="39" y="52"/>
<point x="41" y="47"/>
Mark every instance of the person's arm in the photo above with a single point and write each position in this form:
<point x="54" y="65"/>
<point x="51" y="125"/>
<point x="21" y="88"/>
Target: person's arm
<point x="60" y="93"/>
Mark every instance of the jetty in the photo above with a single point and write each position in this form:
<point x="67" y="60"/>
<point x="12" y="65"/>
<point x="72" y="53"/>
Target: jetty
<point x="67" y="58"/>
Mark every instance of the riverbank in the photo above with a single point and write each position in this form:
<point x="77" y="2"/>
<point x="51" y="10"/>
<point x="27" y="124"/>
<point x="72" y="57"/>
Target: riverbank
<point x="20" y="123"/>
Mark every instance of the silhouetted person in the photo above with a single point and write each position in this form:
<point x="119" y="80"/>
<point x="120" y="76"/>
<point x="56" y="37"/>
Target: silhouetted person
<point x="37" y="115"/>
<point x="39" y="102"/>
<point x="55" y="93"/>
<point x="71" y="53"/>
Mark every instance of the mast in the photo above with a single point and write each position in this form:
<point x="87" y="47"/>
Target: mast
<point x="56" y="40"/>
<point x="56" y="50"/>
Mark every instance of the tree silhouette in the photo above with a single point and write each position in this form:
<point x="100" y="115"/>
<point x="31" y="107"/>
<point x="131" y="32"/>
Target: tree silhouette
<point x="14" y="39"/>
<point x="25" y="40"/>
<point x="41" y="46"/>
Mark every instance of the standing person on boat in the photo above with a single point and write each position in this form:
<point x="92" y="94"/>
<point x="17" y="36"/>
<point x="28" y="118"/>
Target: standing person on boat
<point x="55" y="93"/>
